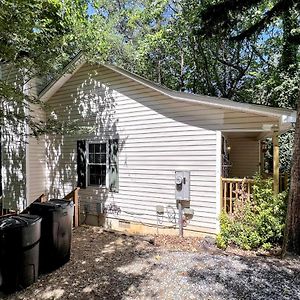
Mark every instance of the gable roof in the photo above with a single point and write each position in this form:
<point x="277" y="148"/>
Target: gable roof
<point x="285" y="116"/>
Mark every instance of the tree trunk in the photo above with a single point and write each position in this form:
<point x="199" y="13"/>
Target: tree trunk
<point x="288" y="61"/>
<point x="292" y="230"/>
<point x="289" y="64"/>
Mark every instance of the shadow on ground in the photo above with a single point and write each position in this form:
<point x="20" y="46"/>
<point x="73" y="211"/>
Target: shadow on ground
<point x="106" y="265"/>
<point x="240" y="277"/>
<point x="99" y="268"/>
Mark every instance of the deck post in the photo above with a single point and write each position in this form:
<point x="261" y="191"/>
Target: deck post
<point x="76" y="204"/>
<point x="221" y="194"/>
<point x="75" y="198"/>
<point x="260" y="157"/>
<point x="275" y="161"/>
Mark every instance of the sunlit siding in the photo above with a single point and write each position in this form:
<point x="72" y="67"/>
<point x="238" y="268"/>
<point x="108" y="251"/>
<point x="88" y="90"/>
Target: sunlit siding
<point x="157" y="137"/>
<point x="35" y="152"/>
<point x="35" y="158"/>
<point x="157" y="134"/>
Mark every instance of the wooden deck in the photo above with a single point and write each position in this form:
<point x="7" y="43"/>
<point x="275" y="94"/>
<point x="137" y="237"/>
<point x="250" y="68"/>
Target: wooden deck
<point x="233" y="189"/>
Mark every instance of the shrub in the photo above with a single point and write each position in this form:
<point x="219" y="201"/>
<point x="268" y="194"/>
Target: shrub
<point x="257" y="221"/>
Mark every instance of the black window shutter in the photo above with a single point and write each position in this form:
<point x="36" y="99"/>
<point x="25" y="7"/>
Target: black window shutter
<point x="114" y="165"/>
<point x="81" y="164"/>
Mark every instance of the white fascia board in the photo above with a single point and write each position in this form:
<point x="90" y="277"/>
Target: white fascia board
<point x="289" y="118"/>
<point x="286" y="122"/>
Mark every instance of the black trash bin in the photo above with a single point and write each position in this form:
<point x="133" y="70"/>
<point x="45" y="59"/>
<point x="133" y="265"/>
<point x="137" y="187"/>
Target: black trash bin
<point x="19" y="251"/>
<point x="56" y="232"/>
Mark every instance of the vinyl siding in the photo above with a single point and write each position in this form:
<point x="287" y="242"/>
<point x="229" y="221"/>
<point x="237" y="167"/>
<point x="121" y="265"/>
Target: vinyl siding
<point x="35" y="158"/>
<point x="244" y="156"/>
<point x="35" y="151"/>
<point x="13" y="141"/>
<point x="23" y="157"/>
<point x="157" y="136"/>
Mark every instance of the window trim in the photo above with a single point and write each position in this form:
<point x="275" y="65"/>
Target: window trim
<point x="106" y="142"/>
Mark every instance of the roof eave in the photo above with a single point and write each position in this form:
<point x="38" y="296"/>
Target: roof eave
<point x="243" y="107"/>
<point x="72" y="67"/>
<point x="285" y="118"/>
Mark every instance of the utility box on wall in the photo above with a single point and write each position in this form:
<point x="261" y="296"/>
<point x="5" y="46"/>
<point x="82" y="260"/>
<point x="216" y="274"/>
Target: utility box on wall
<point x="182" y="185"/>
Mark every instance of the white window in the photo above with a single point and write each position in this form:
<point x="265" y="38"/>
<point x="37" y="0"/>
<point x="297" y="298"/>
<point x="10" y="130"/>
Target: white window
<point x="97" y="163"/>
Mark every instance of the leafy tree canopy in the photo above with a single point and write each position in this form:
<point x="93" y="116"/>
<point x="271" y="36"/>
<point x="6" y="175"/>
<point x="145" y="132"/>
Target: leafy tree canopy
<point x="37" y="38"/>
<point x="253" y="19"/>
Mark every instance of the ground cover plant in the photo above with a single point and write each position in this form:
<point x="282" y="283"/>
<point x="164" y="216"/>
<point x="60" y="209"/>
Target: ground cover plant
<point x="257" y="221"/>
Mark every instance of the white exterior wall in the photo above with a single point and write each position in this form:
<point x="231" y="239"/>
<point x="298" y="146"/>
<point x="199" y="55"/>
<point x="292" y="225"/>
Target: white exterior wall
<point x="35" y="152"/>
<point x="157" y="134"/>
<point x="35" y="163"/>
<point x="13" y="169"/>
<point x="23" y="157"/>
<point x="244" y="156"/>
<point x="13" y="141"/>
<point x="157" y="137"/>
<point x="35" y="169"/>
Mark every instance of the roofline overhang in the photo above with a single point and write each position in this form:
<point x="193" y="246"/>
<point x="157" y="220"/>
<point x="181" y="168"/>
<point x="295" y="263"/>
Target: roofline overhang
<point x="69" y="70"/>
<point x="286" y="117"/>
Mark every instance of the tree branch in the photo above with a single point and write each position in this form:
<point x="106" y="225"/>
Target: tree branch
<point x="275" y="11"/>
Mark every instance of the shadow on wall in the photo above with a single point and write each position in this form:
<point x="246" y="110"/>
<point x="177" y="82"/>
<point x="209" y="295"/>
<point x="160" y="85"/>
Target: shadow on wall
<point x="13" y="139"/>
<point x="13" y="170"/>
<point x="90" y="106"/>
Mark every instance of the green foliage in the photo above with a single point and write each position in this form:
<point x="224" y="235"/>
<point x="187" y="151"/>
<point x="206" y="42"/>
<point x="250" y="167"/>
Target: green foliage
<point x="257" y="221"/>
<point x="159" y="40"/>
<point x="37" y="39"/>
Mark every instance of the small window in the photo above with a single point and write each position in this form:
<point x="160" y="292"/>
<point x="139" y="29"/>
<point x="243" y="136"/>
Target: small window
<point x="97" y="164"/>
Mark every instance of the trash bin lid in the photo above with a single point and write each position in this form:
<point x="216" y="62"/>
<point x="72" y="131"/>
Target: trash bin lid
<point x="53" y="204"/>
<point x="17" y="221"/>
<point x="61" y="202"/>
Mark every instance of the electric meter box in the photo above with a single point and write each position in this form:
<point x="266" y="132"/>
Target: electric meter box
<point x="182" y="185"/>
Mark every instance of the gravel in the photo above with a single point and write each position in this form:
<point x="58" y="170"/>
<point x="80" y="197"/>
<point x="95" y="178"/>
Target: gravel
<point x="109" y="265"/>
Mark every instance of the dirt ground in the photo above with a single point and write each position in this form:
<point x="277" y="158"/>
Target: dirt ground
<point x="107" y="265"/>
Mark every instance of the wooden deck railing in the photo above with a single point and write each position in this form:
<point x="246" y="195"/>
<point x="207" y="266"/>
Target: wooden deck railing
<point x="232" y="189"/>
<point x="73" y="196"/>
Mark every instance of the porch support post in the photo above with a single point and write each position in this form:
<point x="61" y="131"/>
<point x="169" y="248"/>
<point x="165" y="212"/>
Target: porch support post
<point x="260" y="158"/>
<point x="275" y="161"/>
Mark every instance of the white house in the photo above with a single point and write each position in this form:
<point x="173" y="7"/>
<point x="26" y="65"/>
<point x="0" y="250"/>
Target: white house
<point x="134" y="136"/>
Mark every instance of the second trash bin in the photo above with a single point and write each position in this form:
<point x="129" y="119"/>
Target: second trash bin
<point x="19" y="251"/>
<point x="56" y="232"/>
